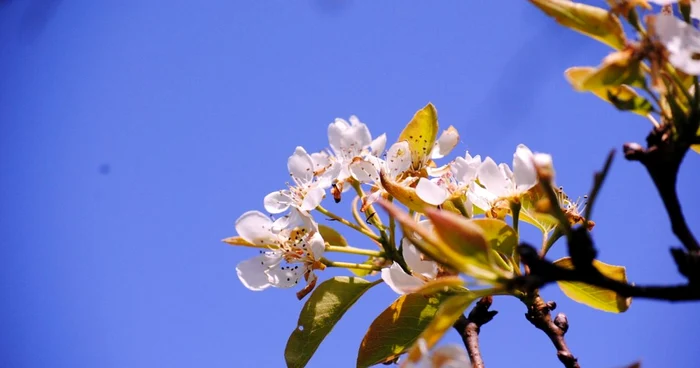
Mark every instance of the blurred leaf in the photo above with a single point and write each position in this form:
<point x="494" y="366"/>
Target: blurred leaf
<point x="321" y="312"/>
<point x="616" y="69"/>
<point x="397" y="328"/>
<point x="623" y="97"/>
<point x="594" y="296"/>
<point x="498" y="234"/>
<point x="591" y="21"/>
<point x="449" y="312"/>
<point x="421" y="133"/>
<point x="696" y="147"/>
<point x="332" y="236"/>
<point x="442" y="285"/>
<point x="464" y="243"/>
<point x="404" y="194"/>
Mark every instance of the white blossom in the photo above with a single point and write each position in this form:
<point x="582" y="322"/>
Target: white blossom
<point x="403" y="283"/>
<point x="681" y="40"/>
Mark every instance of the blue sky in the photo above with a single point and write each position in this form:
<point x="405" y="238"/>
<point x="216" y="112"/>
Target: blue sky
<point x="135" y="133"/>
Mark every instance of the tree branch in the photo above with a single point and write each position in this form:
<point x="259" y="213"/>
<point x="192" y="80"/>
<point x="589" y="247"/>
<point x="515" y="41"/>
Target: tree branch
<point x="662" y="159"/>
<point x="539" y="315"/>
<point x="469" y="327"/>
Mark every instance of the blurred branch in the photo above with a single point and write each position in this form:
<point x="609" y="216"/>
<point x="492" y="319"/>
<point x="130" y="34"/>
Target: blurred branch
<point x="539" y="315"/>
<point x="469" y="327"/>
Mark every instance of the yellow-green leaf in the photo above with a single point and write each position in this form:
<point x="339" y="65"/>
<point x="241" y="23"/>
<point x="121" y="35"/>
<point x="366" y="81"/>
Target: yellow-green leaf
<point x="594" y="296"/>
<point x="498" y="234"/>
<point x="616" y="69"/>
<point x="321" y="312"/>
<point x="332" y="236"/>
<point x="362" y="272"/>
<point x="397" y="328"/>
<point x="591" y="21"/>
<point x="447" y="314"/>
<point x="696" y="147"/>
<point x="421" y="133"/>
<point x="623" y="97"/>
<point x="403" y="193"/>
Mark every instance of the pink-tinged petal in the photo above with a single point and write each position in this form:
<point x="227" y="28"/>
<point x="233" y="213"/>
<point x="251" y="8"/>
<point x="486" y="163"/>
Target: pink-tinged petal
<point x="377" y="146"/>
<point x="430" y="192"/>
<point x="255" y="227"/>
<point x="364" y="171"/>
<point x="695" y="9"/>
<point x="491" y="177"/>
<point x="413" y="259"/>
<point x="277" y="202"/>
<point x="450" y="356"/>
<point x="524" y="168"/>
<point x="399" y="281"/>
<point x="252" y="272"/>
<point x="285" y="276"/>
<point x="335" y="133"/>
<point x="681" y="40"/>
<point x="301" y="166"/>
<point x="446" y="143"/>
<point x="398" y="158"/>
<point x="317" y="245"/>
<point x="368" y="200"/>
<point x="313" y="198"/>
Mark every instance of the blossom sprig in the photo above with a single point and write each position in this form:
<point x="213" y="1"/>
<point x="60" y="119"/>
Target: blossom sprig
<point x="452" y="227"/>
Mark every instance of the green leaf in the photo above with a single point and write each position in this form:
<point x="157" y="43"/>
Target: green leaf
<point x="321" y="312"/>
<point x="421" y="133"/>
<point x="623" y="97"/>
<point x="594" y="296"/>
<point x="362" y="273"/>
<point x="397" y="328"/>
<point x="331" y="236"/>
<point x="446" y="316"/>
<point x="498" y="234"/>
<point x="591" y="21"/>
<point x="442" y="285"/>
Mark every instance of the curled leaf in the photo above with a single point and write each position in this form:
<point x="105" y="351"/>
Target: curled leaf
<point x="623" y="97"/>
<point x="591" y="21"/>
<point x="403" y="193"/>
<point x="616" y="69"/>
<point x="332" y="236"/>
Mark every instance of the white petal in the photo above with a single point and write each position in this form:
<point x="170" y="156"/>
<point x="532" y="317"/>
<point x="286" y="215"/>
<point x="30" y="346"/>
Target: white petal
<point x="313" y="198"/>
<point x="446" y="143"/>
<point x="300" y="165"/>
<point x="255" y="227"/>
<point x="695" y="9"/>
<point x="330" y="175"/>
<point x="450" y="356"/>
<point x="252" y="272"/>
<point x="377" y="146"/>
<point x="335" y="133"/>
<point x="681" y="40"/>
<point x="663" y="2"/>
<point x="399" y="281"/>
<point x="368" y="200"/>
<point x="277" y="202"/>
<point x="321" y="160"/>
<point x="480" y="197"/>
<point x="364" y="171"/>
<point x="285" y="276"/>
<point x="295" y="218"/>
<point x="464" y="171"/>
<point x="438" y="171"/>
<point x="413" y="259"/>
<point x="357" y="138"/>
<point x="524" y="168"/>
<point x="317" y="245"/>
<point x="398" y="158"/>
<point x="491" y="177"/>
<point x="430" y="192"/>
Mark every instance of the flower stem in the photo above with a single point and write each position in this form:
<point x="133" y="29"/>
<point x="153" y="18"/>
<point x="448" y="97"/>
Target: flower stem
<point x="358" y="266"/>
<point x="515" y="209"/>
<point x="353" y="250"/>
<point x="347" y="223"/>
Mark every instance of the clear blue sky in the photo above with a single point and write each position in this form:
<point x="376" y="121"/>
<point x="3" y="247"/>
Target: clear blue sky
<point x="133" y="134"/>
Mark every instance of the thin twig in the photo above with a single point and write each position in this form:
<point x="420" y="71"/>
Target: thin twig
<point x="539" y="315"/>
<point x="469" y="327"/>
